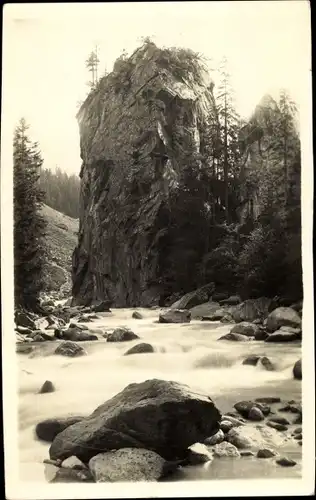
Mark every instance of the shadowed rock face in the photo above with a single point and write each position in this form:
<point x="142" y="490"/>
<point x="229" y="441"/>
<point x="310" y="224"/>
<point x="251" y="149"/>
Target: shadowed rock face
<point x="136" y="131"/>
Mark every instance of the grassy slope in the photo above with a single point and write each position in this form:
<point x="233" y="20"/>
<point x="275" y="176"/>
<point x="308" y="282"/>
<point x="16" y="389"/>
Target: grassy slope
<point x="61" y="239"/>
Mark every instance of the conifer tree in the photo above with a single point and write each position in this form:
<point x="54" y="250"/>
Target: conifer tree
<point x="29" y="225"/>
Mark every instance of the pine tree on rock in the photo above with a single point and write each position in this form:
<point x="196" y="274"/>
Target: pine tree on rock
<point x="29" y="225"/>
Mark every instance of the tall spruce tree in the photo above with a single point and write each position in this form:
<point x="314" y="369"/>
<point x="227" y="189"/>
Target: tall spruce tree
<point x="29" y="225"/>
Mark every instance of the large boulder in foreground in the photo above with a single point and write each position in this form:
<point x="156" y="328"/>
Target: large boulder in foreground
<point x="158" y="415"/>
<point x="175" y="316"/>
<point x="195" y="298"/>
<point x="283" y="316"/>
<point x="127" y="464"/>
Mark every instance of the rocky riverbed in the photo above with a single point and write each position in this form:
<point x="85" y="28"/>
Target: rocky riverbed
<point x="188" y="352"/>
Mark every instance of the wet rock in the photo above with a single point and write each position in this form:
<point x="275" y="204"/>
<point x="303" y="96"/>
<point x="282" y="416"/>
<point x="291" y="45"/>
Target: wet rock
<point x="251" y="360"/>
<point x="238" y="439"/>
<point x="127" y="464"/>
<point x="23" y="330"/>
<point x="299" y="437"/>
<point x="137" y="315"/>
<point x="70" y="349"/>
<point x="215" y="439"/>
<point x="38" y="338"/>
<point x="48" y="429"/>
<point x="227" y="319"/>
<point x="266" y="453"/>
<point x="56" y="463"/>
<point x="233" y="300"/>
<point x="261" y="334"/>
<point x="198" y="456"/>
<point x="217" y="296"/>
<point x="255" y="414"/>
<point x="277" y="426"/>
<point x="77" y="335"/>
<point x="139" y="349"/>
<point x="68" y="475"/>
<point x="282" y="336"/>
<point x="298" y="419"/>
<point x="267" y="364"/>
<point x="225" y="449"/>
<point x="246" y="453"/>
<point x="268" y="400"/>
<point x="236" y="337"/>
<point x="121" y="334"/>
<point x="216" y="316"/>
<point x="195" y="298"/>
<point x="257" y="437"/>
<point x="103" y="306"/>
<point x="285" y="462"/>
<point x="166" y="417"/>
<point x="298" y="430"/>
<point x="245" y="328"/>
<point x="73" y="463"/>
<point x="175" y="316"/>
<point x="84" y="319"/>
<point x="297" y="370"/>
<point x="299" y="443"/>
<point x="48" y="386"/>
<point x="283" y="316"/>
<point x="233" y="420"/>
<point x="244" y="407"/>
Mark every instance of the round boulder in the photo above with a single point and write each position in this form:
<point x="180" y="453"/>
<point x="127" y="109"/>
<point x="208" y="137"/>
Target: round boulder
<point x="297" y="370"/>
<point x="121" y="334"/>
<point x="48" y="386"/>
<point x="70" y="349"/>
<point x="139" y="349"/>
<point x="283" y="316"/>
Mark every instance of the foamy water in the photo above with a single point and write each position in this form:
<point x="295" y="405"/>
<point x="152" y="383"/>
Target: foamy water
<point x="188" y="353"/>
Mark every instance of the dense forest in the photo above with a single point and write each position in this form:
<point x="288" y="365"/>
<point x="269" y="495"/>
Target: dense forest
<point x="61" y="191"/>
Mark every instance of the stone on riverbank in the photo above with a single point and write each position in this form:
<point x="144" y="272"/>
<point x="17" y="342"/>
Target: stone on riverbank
<point x="130" y="419"/>
<point x="225" y="449"/>
<point x="283" y="316"/>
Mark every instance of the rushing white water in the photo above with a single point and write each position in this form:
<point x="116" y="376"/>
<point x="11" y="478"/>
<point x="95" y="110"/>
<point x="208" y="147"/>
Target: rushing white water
<point x="188" y="353"/>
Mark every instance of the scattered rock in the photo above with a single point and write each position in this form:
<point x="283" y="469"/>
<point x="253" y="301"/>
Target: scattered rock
<point x="298" y="420"/>
<point x="299" y="442"/>
<point x="297" y="370"/>
<point x="261" y="334"/>
<point x="73" y="463"/>
<point x="285" y="462"/>
<point x="121" y="334"/>
<point x="175" y="316"/>
<point x="140" y="348"/>
<point x="282" y="336"/>
<point x="227" y="318"/>
<point x="127" y="464"/>
<point x="279" y="420"/>
<point x="236" y="337"/>
<point x="255" y="414"/>
<point x="246" y="453"/>
<point x="56" y="463"/>
<point x="38" y="338"/>
<point x="298" y="430"/>
<point x="196" y="457"/>
<point x="245" y="328"/>
<point x="204" y="310"/>
<point x="216" y="438"/>
<point x="24" y="319"/>
<point x="217" y="296"/>
<point x="283" y="316"/>
<point x="277" y="426"/>
<point x="267" y="364"/>
<point x="261" y="436"/>
<point x="216" y="316"/>
<point x="233" y="420"/>
<point x="48" y="386"/>
<point x="233" y="300"/>
<point x="299" y="437"/>
<point x="70" y="349"/>
<point x="76" y="334"/>
<point x="268" y="400"/>
<point x="103" y="306"/>
<point x="166" y="417"/>
<point x="67" y="475"/>
<point x="195" y="298"/>
<point x="23" y="330"/>
<point x="137" y="315"/>
<point x="251" y="309"/>
<point x="244" y="407"/>
<point x="238" y="439"/>
<point x="266" y="453"/>
<point x="226" y="425"/>
<point x="225" y="449"/>
<point x="251" y="360"/>
<point x="48" y="429"/>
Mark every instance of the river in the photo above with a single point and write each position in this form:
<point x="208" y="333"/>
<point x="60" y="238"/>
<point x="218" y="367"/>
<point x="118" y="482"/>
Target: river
<point x="188" y="353"/>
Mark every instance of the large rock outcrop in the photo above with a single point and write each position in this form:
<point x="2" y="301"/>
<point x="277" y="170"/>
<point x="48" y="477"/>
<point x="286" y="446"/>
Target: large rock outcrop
<point x="141" y="137"/>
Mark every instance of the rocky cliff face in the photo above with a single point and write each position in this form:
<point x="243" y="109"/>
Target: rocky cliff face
<point x="138" y="131"/>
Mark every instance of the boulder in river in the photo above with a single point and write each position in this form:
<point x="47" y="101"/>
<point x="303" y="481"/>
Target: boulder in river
<point x="48" y="429"/>
<point x="23" y="330"/>
<point x="175" y="316"/>
<point x="48" y="386"/>
<point x="283" y="316"/>
<point x="25" y="319"/>
<point x="297" y="370"/>
<point x="137" y="315"/>
<point x="251" y="360"/>
<point x="255" y="414"/>
<point x="261" y="436"/>
<point x="204" y="310"/>
<point x="76" y="334"/>
<point x="139" y="349"/>
<point x="103" y="306"/>
<point x="261" y="334"/>
<point x="277" y="426"/>
<point x="245" y="328"/>
<point x="285" y="462"/>
<point x="216" y="438"/>
<point x="225" y="449"/>
<point x="236" y="337"/>
<point x="121" y="334"/>
<point x="267" y="364"/>
<point x="70" y="349"/>
<point x="266" y="453"/>
<point x="127" y="464"/>
<point x="282" y="336"/>
<point x="162" y="416"/>
<point x="195" y="298"/>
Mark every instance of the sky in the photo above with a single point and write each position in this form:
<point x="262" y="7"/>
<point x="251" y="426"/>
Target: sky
<point x="267" y="44"/>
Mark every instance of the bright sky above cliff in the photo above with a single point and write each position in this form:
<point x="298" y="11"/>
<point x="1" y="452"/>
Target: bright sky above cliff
<point x="46" y="45"/>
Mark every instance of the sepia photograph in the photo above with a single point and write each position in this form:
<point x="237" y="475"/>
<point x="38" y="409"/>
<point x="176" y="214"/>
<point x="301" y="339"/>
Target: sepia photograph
<point x="156" y="249"/>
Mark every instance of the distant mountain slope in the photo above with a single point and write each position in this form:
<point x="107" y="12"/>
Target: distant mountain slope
<point x="61" y="239"/>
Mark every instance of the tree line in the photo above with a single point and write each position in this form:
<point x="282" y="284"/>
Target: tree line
<point x="61" y="191"/>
